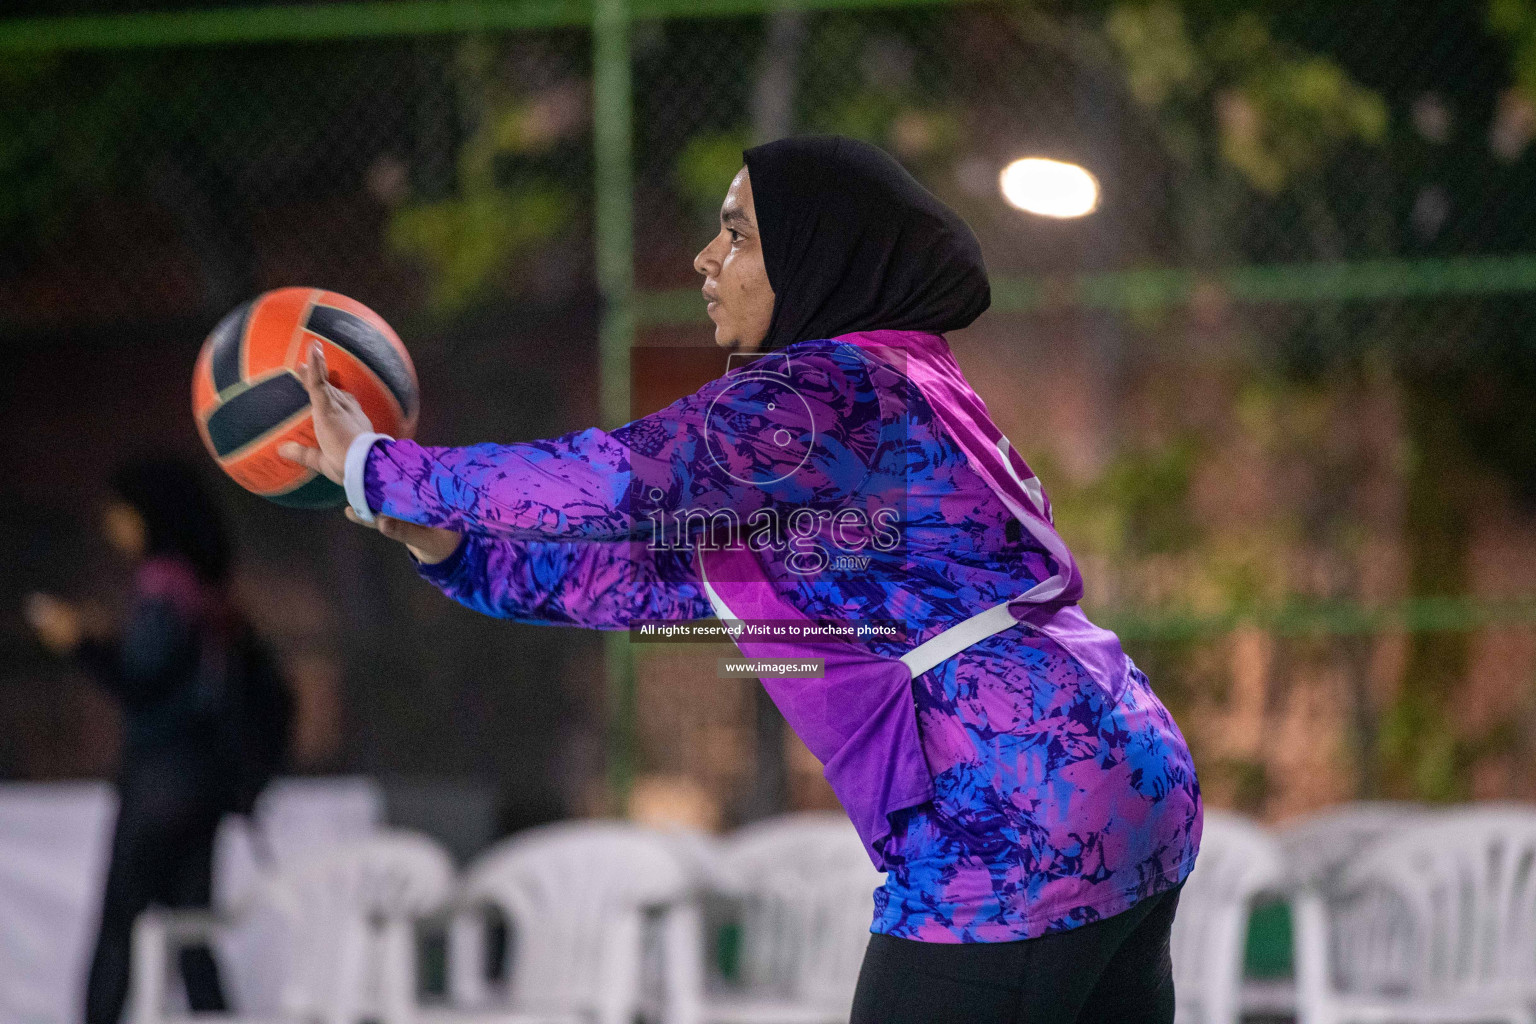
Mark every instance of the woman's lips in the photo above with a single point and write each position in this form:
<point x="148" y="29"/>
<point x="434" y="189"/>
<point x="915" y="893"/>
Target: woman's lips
<point x="710" y="308"/>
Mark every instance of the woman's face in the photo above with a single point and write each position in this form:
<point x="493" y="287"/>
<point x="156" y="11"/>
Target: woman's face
<point x="125" y="530"/>
<point x="735" y="280"/>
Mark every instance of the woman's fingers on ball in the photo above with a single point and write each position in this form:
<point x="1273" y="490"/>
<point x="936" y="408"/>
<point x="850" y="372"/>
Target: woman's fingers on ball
<point x="315" y="377"/>
<point x="309" y="458"/>
<point x="324" y="396"/>
<point x="317" y="367"/>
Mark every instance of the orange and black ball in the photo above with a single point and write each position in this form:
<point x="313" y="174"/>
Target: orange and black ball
<point x="247" y="397"/>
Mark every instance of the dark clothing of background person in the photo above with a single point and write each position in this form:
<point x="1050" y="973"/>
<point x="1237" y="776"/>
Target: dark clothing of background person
<point x="171" y="787"/>
<point x="205" y="710"/>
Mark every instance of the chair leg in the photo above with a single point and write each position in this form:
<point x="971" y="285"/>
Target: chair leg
<point x="467" y="950"/>
<point x="399" y="980"/>
<point x="621" y="970"/>
<point x="1224" y="987"/>
<point x="1314" y="983"/>
<point x="344" y="1005"/>
<point x="150" y="963"/>
<point x="683" y="962"/>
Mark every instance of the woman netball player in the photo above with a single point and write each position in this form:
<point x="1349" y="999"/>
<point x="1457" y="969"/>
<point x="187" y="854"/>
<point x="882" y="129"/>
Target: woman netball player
<point x="1033" y="805"/>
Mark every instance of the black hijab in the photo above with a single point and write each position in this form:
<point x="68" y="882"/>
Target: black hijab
<point x="852" y="242"/>
<point x="181" y="517"/>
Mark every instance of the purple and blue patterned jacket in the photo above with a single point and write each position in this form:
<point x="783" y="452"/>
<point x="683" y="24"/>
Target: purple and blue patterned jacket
<point x="1056" y="801"/>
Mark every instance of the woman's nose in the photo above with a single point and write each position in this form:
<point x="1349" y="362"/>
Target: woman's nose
<point x="704" y="262"/>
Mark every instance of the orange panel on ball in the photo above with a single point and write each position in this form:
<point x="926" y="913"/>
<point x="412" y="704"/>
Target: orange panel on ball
<point x="276" y="326"/>
<point x="204" y="396"/>
<point x="260" y="469"/>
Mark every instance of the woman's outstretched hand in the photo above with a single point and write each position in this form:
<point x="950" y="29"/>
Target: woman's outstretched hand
<point x="57" y="623"/>
<point x="338" y="420"/>
<point x="337" y="416"/>
<point x="428" y="544"/>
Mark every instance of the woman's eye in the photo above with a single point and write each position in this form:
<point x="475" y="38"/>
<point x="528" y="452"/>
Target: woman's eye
<point x="735" y="235"/>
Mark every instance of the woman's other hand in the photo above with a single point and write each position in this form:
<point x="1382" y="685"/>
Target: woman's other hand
<point x="57" y="623"/>
<point x="337" y="417"/>
<point x="428" y="544"/>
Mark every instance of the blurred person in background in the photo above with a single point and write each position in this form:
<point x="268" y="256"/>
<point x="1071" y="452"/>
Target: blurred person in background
<point x="1033" y="804"/>
<point x="205" y="709"/>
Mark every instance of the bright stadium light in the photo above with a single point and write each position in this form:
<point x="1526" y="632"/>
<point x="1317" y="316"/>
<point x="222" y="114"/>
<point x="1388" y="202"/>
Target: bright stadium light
<point x="1049" y="188"/>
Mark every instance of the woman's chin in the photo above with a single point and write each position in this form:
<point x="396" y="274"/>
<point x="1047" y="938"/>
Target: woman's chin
<point x="731" y="340"/>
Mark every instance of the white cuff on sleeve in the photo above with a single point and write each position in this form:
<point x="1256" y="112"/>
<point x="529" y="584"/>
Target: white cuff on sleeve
<point x="357" y="462"/>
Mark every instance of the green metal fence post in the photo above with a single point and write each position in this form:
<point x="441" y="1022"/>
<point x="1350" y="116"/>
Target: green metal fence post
<point x="613" y="142"/>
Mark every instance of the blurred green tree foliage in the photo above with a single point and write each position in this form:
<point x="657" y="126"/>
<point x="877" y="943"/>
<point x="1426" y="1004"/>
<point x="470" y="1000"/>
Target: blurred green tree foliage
<point x="1290" y="137"/>
<point x="513" y="191"/>
<point x="1291" y="133"/>
<point x="1280" y="117"/>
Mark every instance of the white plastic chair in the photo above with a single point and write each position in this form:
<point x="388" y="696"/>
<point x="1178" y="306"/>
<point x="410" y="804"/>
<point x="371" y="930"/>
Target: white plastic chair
<point x="294" y="819"/>
<point x="1313" y="852"/>
<point x="576" y="897"/>
<point x="347" y="915"/>
<point x="1318" y="847"/>
<point x="806" y="889"/>
<point x="1239" y="861"/>
<point x="1436" y="922"/>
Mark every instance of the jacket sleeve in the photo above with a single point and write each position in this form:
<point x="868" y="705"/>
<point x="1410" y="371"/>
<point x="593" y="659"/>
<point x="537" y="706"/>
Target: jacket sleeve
<point x="594" y="585"/>
<point x="802" y="430"/>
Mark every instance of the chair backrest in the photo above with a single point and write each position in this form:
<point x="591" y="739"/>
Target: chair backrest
<point x="1238" y="861"/>
<point x="348" y="914"/>
<point x="1318" y="847"/>
<point x="1446" y="906"/>
<point x="575" y="895"/>
<point x="296" y="818"/>
<point x="809" y="888"/>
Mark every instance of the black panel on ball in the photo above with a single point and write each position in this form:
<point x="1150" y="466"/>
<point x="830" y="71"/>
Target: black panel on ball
<point x="255" y="411"/>
<point x="361" y="338"/>
<point x="226" y="340"/>
<point x="317" y="493"/>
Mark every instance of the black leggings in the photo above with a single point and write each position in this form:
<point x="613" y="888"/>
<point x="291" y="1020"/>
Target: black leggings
<point x="1108" y="972"/>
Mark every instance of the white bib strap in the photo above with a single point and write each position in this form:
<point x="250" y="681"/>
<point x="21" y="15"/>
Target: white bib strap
<point x="1031" y="486"/>
<point x="716" y="602"/>
<point x="925" y="655"/>
<point x="958" y="637"/>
